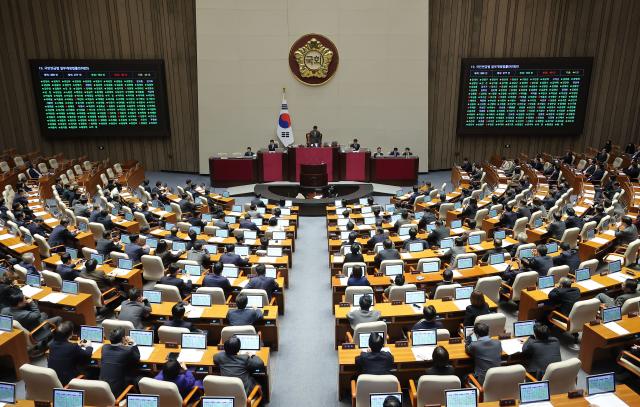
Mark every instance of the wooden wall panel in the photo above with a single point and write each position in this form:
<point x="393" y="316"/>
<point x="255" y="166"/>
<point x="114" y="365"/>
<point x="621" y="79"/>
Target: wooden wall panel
<point x="608" y="30"/>
<point x="104" y="29"/>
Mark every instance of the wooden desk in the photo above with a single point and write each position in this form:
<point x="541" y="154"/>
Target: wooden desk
<point x="16" y="246"/>
<point x="598" y="340"/>
<point x="78" y="308"/>
<point x="131" y="279"/>
<point x="14" y="345"/>
<point x="562" y="400"/>
<point x="530" y="301"/>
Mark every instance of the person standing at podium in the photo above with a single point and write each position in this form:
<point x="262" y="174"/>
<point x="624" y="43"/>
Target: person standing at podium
<point x="273" y="146"/>
<point x="355" y="146"/>
<point x="314" y="137"/>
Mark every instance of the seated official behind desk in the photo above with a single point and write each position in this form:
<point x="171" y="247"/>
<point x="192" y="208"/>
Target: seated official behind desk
<point x="429" y="319"/>
<point x="540" y="350"/>
<point x="119" y="361"/>
<point x="67" y="358"/>
<point x="135" y="309"/>
<point x="232" y="364"/>
<point x="241" y="315"/>
<point x="364" y="314"/>
<point x="177" y="317"/>
<point x="178" y="374"/>
<point x="441" y="363"/>
<point x="314" y="137"/>
<point x="485" y="351"/>
<point x="374" y="360"/>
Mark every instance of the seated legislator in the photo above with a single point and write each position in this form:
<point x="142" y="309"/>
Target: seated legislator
<point x="364" y="314"/>
<point x="61" y="236"/>
<point x="91" y="272"/>
<point x="407" y="152"/>
<point x="105" y="245"/>
<point x="66" y="269"/>
<point x="447" y="278"/>
<point x="429" y="319"/>
<point x="627" y="232"/>
<point x="119" y="363"/>
<point x="564" y="296"/>
<point x="394" y="152"/>
<point x="135" y="308"/>
<point x="388" y="252"/>
<point x="229" y="257"/>
<point x="629" y="290"/>
<point x="477" y="307"/>
<point x="314" y="137"/>
<point x="378" y="237"/>
<point x="177" y="373"/>
<point x="378" y="153"/>
<point x="233" y="364"/>
<point x="540" y="263"/>
<point x="166" y="255"/>
<point x="248" y="152"/>
<point x="273" y="146"/>
<point x="215" y="279"/>
<point x="485" y="351"/>
<point x="441" y="363"/>
<point x="136" y="249"/>
<point x="26" y="311"/>
<point x="397" y="281"/>
<point x="568" y="257"/>
<point x="170" y="278"/>
<point x="355" y="256"/>
<point x="540" y="350"/>
<point x="374" y="360"/>
<point x="497" y="249"/>
<point x="177" y="317"/>
<point x="357" y="278"/>
<point x="413" y="233"/>
<point x="241" y="315"/>
<point x="438" y="233"/>
<point x="262" y="282"/>
<point x="67" y="358"/>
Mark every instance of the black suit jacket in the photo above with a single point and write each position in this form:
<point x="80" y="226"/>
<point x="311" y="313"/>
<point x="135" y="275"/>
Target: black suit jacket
<point x="213" y="280"/>
<point x="574" y="222"/>
<point x="66" y="358"/>
<point x="179" y="324"/>
<point x="508" y="219"/>
<point x="486" y="354"/>
<point x="118" y="363"/>
<point x="386" y="254"/>
<point x="60" y="236"/>
<point x="569" y="258"/>
<point x="263" y="283"/>
<point x="541" y="264"/>
<point x="556" y="229"/>
<point x="540" y="354"/>
<point x="106" y="246"/>
<point x="564" y="298"/>
<point x="353" y="258"/>
<point x="374" y="363"/>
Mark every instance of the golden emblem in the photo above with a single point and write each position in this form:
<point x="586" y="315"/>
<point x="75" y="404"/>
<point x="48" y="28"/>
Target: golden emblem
<point x="313" y="59"/>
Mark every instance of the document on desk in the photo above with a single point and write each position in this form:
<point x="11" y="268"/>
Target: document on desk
<point x="267" y="259"/>
<point x="500" y="266"/>
<point x="54" y="298"/>
<point x="338" y="259"/>
<point x="476" y="247"/>
<point x="190" y="355"/>
<point x="511" y="346"/>
<point x="456" y="274"/>
<point x="244" y="283"/>
<point x="599" y="240"/>
<point x="50" y="220"/>
<point x="423" y="352"/>
<point x="232" y="281"/>
<point x="41" y="213"/>
<point x="116" y="272"/>
<point x="578" y="208"/>
<point x="590" y="285"/>
<point x="457" y="231"/>
<point x="547" y="290"/>
<point x="6" y="236"/>
<point x="216" y="239"/>
<point x="406" y="256"/>
<point x="95" y="346"/>
<point x="145" y="352"/>
<point x="538" y="404"/>
<point x="541" y="230"/>
<point x="462" y="304"/>
<point x="29" y="291"/>
<point x="194" y="312"/>
<point x="343" y="280"/>
<point x="17" y="246"/>
<point x="193" y="279"/>
<point x="619" y="276"/>
<point x="609" y="232"/>
<point x="605" y="400"/>
<point x="615" y="327"/>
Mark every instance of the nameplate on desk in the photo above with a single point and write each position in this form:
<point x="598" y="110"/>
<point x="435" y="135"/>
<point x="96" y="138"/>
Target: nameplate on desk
<point x="447" y="298"/>
<point x="415" y="271"/>
<point x="504" y="335"/>
<point x="402" y="344"/>
<point x="396" y="302"/>
<point x="378" y="274"/>
<point x="348" y="346"/>
<point x="40" y="403"/>
<point x="532" y="288"/>
<point x="170" y="345"/>
<point x="344" y="305"/>
<point x="575" y="394"/>
<point x="455" y="340"/>
<point x="594" y="322"/>
<point x="604" y="273"/>
<point x="632" y="314"/>
<point x="507" y="402"/>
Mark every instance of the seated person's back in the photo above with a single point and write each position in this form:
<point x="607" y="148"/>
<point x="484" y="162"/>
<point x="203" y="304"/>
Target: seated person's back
<point x="375" y="360"/>
<point x="232" y="364"/>
<point x="364" y="314"/>
<point x="241" y="315"/>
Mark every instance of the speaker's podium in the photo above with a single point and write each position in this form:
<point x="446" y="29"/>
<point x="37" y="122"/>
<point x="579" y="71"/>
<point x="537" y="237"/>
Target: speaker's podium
<point x="313" y="175"/>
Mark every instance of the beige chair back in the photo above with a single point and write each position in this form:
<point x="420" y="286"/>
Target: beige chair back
<point x="171" y="334"/>
<point x="522" y="281"/>
<point x="430" y="389"/>
<point x="109" y="325"/>
<point x="558" y="272"/>
<point x="175" y="208"/>
<point x="170" y="293"/>
<point x="471" y="256"/>
<point x="586" y="228"/>
<point x="115" y="256"/>
<point x="139" y="217"/>
<point x="581" y="313"/>
<point x="520" y="226"/>
<point x="52" y="279"/>
<point x="446" y="290"/>
<point x="152" y="267"/>
<point x="562" y="376"/>
<point x="397" y="292"/>
<point x="43" y="246"/>
<point x="351" y="291"/>
<point x="630" y="305"/>
<point x="386" y="263"/>
<point x="444" y="208"/>
<point x="570" y="236"/>
<point x="87" y="252"/>
<point x="220" y="386"/>
<point x="367" y="384"/>
<point x="90" y="287"/>
<point x="39" y="382"/>
<point x="480" y="216"/>
<point x="96" y="392"/>
<point x="97" y="229"/>
<point x="495" y="322"/>
<point x="502" y="382"/>
<point x="216" y="294"/>
<point x="422" y="262"/>
<point x="591" y="264"/>
<point x="490" y="287"/>
<point x="229" y="331"/>
<point x="347" y="266"/>
<point x="168" y="391"/>
<point x="368" y="327"/>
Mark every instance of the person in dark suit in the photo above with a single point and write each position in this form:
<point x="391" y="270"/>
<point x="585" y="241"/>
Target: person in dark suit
<point x="248" y="152"/>
<point x="247" y="224"/>
<point x="379" y="237"/>
<point x="177" y="318"/>
<point x="66" y="358"/>
<point x="262" y="282"/>
<point x="477" y="307"/>
<point x="407" y="152"/>
<point x="523" y="211"/>
<point x="497" y="248"/>
<point x="508" y="218"/>
<point x="388" y="252"/>
<point x="627" y="232"/>
<point x="597" y="216"/>
<point x="404" y="220"/>
<point x="572" y="220"/>
<point x="564" y="296"/>
<point x="26" y="311"/>
<point x="215" y="279"/>
<point x="394" y="152"/>
<point x="633" y="171"/>
<point x="355" y="256"/>
<point x="37" y="227"/>
<point x="27" y="263"/>
<point x="232" y="364"/>
<point x="66" y="270"/>
<point x="136" y="249"/>
<point x="315" y="137"/>
<point x="557" y="227"/>
<point x="374" y="360"/>
<point x="273" y="146"/>
<point x="105" y="245"/>
<point x="119" y="361"/>
<point x="541" y="262"/>
<point x="469" y="211"/>
<point x="241" y="315"/>
<point x="441" y="363"/>
<point x="568" y="257"/>
<point x="378" y="153"/>
<point x="413" y="233"/>
<point x="104" y="219"/>
<point x="167" y="257"/>
<point x="171" y="278"/>
<point x="540" y="350"/>
<point x="135" y="309"/>
<point x="447" y="278"/>
<point x="357" y="278"/>
<point x="597" y="175"/>
<point x="186" y="206"/>
<point x="486" y="352"/>
<point x="61" y="236"/>
<point x="229" y="257"/>
<point x="355" y="146"/>
<point x="429" y="319"/>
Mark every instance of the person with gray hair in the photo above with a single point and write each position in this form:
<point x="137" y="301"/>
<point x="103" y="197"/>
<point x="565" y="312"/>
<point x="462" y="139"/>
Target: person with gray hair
<point x="27" y="263"/>
<point x="564" y="296"/>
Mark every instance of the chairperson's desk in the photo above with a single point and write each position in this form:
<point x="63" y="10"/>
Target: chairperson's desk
<point x="232" y="171"/>
<point x="394" y="170"/>
<point x="403" y="316"/>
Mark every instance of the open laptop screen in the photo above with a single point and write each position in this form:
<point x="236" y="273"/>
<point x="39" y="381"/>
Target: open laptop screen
<point x="423" y="337"/>
<point x="7" y="392"/>
<point x="193" y="341"/>
<point x="218" y="401"/>
<point x="68" y="398"/>
<point x="461" y="398"/>
<point x="377" y="399"/>
<point x="611" y="314"/>
<point x="523" y="328"/>
<point x="534" y="392"/>
<point x="601" y="383"/>
<point x="142" y="400"/>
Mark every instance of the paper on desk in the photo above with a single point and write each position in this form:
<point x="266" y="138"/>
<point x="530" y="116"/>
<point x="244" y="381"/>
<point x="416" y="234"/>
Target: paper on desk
<point x="599" y="240"/>
<point x="267" y="259"/>
<point x="54" y="297"/>
<point x="456" y="274"/>
<point x="50" y="220"/>
<point x="232" y="281"/>
<point x="216" y="239"/>
<point x="606" y="399"/>
<point x="95" y="346"/>
<point x="195" y="312"/>
<point x="547" y="290"/>
<point x="41" y="213"/>
<point x="500" y="266"/>
<point x="457" y="231"/>
<point x="236" y="214"/>
<point x="615" y="327"/>
<point x="476" y="247"/>
<point x="590" y="285"/>
<point x="511" y="346"/>
<point x="423" y="352"/>
<point x="541" y="230"/>
<point x="6" y="236"/>
<point x="343" y="280"/>
<point x="338" y="259"/>
<point x="368" y="227"/>
<point x="416" y="310"/>
<point x="619" y="276"/>
<point x="462" y="304"/>
<point x="145" y="352"/>
<point x="244" y="283"/>
<point x="251" y="242"/>
<point x="29" y="291"/>
<point x="609" y="232"/>
<point x="190" y="355"/>
<point x="17" y="246"/>
<point x="403" y="238"/>
<point x="538" y="404"/>
<point x="406" y="256"/>
<point x="580" y="208"/>
<point x="116" y="272"/>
